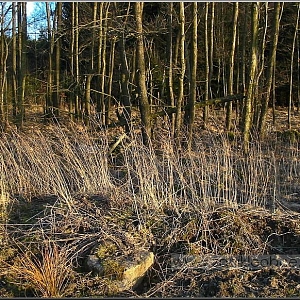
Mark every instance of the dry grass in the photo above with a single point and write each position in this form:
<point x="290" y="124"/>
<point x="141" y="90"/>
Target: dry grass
<point x="67" y="163"/>
<point x="70" y="162"/>
<point x="54" y="163"/>
<point x="46" y="271"/>
<point x="171" y="194"/>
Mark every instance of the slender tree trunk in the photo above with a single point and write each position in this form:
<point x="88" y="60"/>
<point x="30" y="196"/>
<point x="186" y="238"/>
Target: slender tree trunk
<point x="149" y="76"/>
<point x="21" y="60"/>
<point x="71" y="97"/>
<point x="237" y="68"/>
<point x="56" y="96"/>
<point x="291" y="70"/>
<point x="132" y="74"/>
<point x="244" y="60"/>
<point x="14" y="60"/>
<point x="176" y="50"/>
<point x="99" y="60"/>
<point x="95" y="9"/>
<point x="182" y="73"/>
<point x="205" y="110"/>
<point x="261" y="69"/>
<point x="211" y="47"/>
<point x="76" y="61"/>
<point x="223" y="56"/>
<point x="125" y="116"/>
<point x="252" y="77"/>
<point x="49" y="97"/>
<point x="103" y="64"/>
<point x="3" y="66"/>
<point x="144" y="103"/>
<point x="170" y="91"/>
<point x="190" y="110"/>
<point x="87" y="99"/>
<point x="298" y="74"/>
<point x="218" y="46"/>
<point x="110" y="80"/>
<point x="270" y="68"/>
<point x="274" y="97"/>
<point x="231" y="65"/>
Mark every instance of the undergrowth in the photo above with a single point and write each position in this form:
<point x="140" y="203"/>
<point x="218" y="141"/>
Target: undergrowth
<point x="161" y="195"/>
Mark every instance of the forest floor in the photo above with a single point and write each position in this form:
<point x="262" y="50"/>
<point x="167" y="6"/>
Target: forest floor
<point x="211" y="203"/>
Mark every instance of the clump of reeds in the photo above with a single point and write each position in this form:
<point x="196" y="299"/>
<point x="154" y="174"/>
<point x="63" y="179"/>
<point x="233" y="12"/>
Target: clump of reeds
<point x="47" y="271"/>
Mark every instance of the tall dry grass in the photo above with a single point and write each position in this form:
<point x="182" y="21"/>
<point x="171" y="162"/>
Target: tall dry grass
<point x="214" y="172"/>
<point x="161" y="184"/>
<point x="67" y="163"/>
<point x="55" y="162"/>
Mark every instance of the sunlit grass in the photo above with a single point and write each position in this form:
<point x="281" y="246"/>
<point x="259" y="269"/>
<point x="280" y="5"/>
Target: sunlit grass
<point x="68" y="162"/>
<point x="170" y="193"/>
<point x="47" y="271"/>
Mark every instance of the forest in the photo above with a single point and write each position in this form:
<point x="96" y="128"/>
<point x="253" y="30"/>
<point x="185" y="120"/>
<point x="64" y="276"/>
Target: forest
<point x="104" y="60"/>
<point x="134" y="134"/>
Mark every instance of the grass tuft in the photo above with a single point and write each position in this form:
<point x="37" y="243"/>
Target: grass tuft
<point x="46" y="271"/>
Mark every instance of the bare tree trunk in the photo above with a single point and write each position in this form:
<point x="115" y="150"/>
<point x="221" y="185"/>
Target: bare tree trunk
<point x="99" y="60"/>
<point x="14" y="60"/>
<point x="49" y="97"/>
<point x="211" y="47"/>
<point x="76" y="61"/>
<point x="238" y="71"/>
<point x="56" y="96"/>
<point x="170" y="91"/>
<point x="190" y="110"/>
<point x="125" y="116"/>
<point x="110" y="80"/>
<point x="144" y="103"/>
<point x="243" y="67"/>
<point x="182" y="73"/>
<point x="103" y="64"/>
<point x="71" y="97"/>
<point x="231" y="65"/>
<point x="298" y="74"/>
<point x="176" y="50"/>
<point x="252" y="76"/>
<point x="205" y="109"/>
<point x="274" y="97"/>
<point x="3" y="66"/>
<point x="270" y="69"/>
<point x="95" y="9"/>
<point x="261" y="68"/>
<point x="291" y="70"/>
<point x="91" y="70"/>
<point x="87" y="99"/>
<point x="21" y="60"/>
